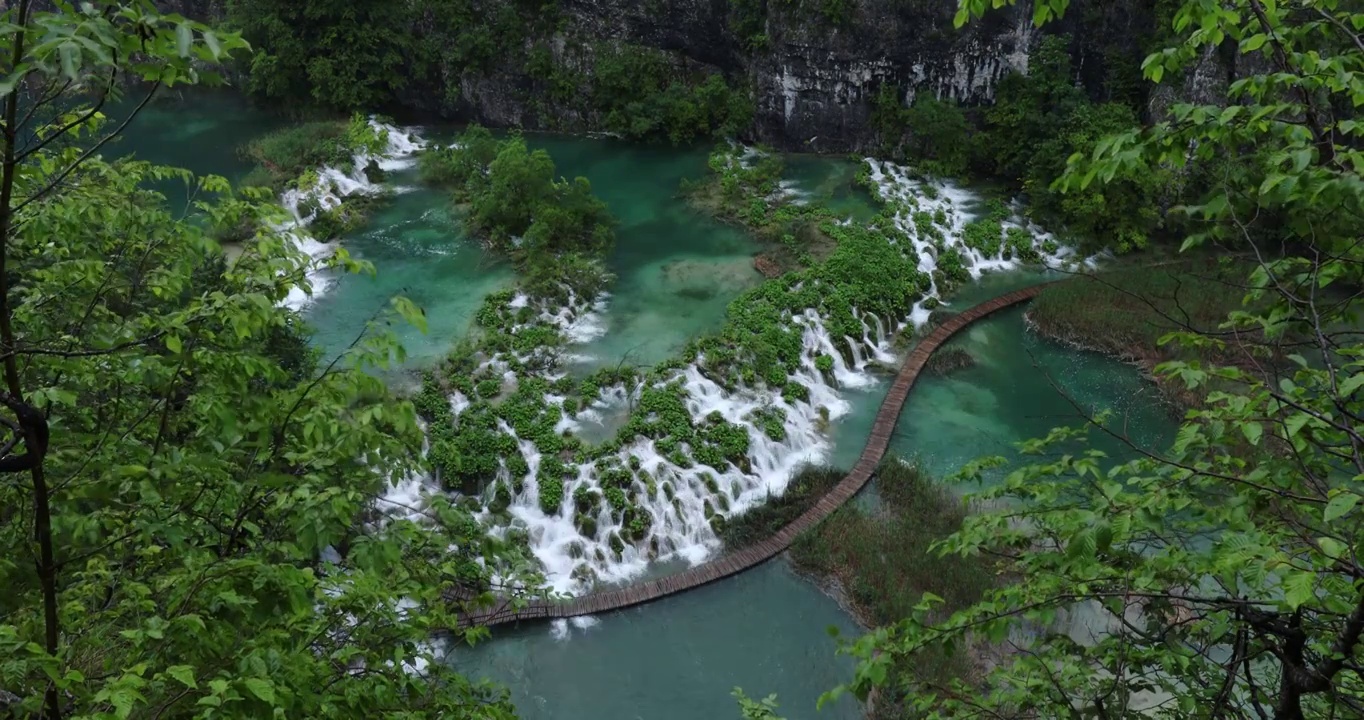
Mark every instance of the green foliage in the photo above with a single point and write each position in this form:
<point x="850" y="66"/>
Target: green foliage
<point x="163" y="553"/>
<point x="748" y="22"/>
<point x="765" y="709"/>
<point x="515" y="201"/>
<point x="885" y="559"/>
<point x="345" y="218"/>
<point x="334" y="54"/>
<point x="1043" y="118"/>
<point x="641" y="95"/>
<point x="286" y="154"/>
<point x="933" y="133"/>
<point x="551" y="492"/>
<point x="822" y="13"/>
<point x="1243" y="535"/>
<point x="760" y="522"/>
<point x="985" y="235"/>
<point x="464" y="162"/>
<point x="291" y="157"/>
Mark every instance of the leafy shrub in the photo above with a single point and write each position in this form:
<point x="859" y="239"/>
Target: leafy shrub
<point x="288" y="153"/>
<point x="642" y="95"/>
<point x="985" y="235"/>
<point x="551" y="492"/>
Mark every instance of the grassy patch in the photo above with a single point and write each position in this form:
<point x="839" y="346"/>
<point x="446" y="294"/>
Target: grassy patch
<point x="1126" y="312"/>
<point x="284" y="155"/>
<point x="949" y="360"/>
<point x="762" y="522"/>
<point x="292" y="154"/>
<point x="884" y="563"/>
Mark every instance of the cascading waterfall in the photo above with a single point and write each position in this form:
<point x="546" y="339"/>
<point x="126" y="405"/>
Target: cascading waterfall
<point x="680" y="502"/>
<point x="948" y="204"/>
<point x="581" y="546"/>
<point x="327" y="192"/>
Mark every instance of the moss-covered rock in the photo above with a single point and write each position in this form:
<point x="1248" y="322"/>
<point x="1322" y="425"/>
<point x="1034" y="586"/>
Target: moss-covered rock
<point x="949" y="360"/>
<point x="586" y="525"/>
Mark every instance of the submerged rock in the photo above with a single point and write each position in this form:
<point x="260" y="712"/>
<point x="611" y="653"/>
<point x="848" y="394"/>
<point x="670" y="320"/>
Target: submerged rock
<point x="767" y="265"/>
<point x="949" y="360"/>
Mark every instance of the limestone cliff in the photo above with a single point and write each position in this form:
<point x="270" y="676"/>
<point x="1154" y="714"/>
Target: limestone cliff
<point x="813" y="73"/>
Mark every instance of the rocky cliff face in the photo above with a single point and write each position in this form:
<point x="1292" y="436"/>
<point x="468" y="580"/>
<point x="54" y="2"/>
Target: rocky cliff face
<point x="814" y="73"/>
<point x="815" y="84"/>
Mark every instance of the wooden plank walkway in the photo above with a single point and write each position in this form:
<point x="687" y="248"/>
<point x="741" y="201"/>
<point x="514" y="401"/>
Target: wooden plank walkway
<point x="760" y="552"/>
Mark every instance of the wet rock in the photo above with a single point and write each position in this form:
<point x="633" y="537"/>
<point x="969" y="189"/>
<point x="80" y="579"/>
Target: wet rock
<point x="586" y="524"/>
<point x="374" y="173"/>
<point x="767" y="265"/>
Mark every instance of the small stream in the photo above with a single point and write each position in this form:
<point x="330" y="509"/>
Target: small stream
<point x="764" y="630"/>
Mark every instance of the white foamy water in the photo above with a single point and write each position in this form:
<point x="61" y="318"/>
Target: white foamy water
<point x="584" y="544"/>
<point x="327" y="192"/>
<point x="948" y="203"/>
<point x="679" y="501"/>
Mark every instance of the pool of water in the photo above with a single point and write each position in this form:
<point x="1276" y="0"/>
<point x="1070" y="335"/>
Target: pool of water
<point x="419" y="251"/>
<point x="831" y="180"/>
<point x="678" y="658"/>
<point x="202" y="132"/>
<point x="676" y="269"/>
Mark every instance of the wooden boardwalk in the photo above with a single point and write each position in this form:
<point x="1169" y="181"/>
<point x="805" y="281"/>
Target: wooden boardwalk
<point x="735" y="562"/>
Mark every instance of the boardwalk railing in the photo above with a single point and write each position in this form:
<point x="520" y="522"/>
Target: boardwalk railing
<point x="757" y="553"/>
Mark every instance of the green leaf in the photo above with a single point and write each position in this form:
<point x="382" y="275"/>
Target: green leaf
<point x="211" y="40"/>
<point x="184" y="38"/>
<point x="962" y="16"/>
<point x="173" y="344"/>
<point x="1334" y="549"/>
<point x="12" y="80"/>
<point x="70" y="59"/>
<point x="183" y="673"/>
<point x="1254" y="42"/>
<point x="1349" y="385"/>
<point x="261" y="689"/>
<point x="1271" y="182"/>
<point x="1299" y="588"/>
<point x="122" y="699"/>
<point x="1339" y="505"/>
<point x="1252" y="431"/>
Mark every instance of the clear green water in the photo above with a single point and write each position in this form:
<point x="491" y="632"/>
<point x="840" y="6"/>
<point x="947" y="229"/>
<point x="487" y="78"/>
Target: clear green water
<point x="420" y="251"/>
<point x="676" y="269"/>
<point x="766" y="629"/>
<point x="1018" y="390"/>
<point x="833" y="180"/>
<point x="202" y="133"/>
<point x="678" y="658"/>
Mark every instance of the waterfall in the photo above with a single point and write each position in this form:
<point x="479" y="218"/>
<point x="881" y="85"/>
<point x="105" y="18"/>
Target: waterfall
<point x="679" y="502"/>
<point x="327" y="192"/>
<point x="585" y="542"/>
<point x="946" y="204"/>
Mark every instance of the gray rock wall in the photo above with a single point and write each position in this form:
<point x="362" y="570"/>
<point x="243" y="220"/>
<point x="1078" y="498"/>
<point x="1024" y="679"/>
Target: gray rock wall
<point x="814" y="82"/>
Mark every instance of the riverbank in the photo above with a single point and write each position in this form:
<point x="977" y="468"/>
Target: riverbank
<point x="1128" y="313"/>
